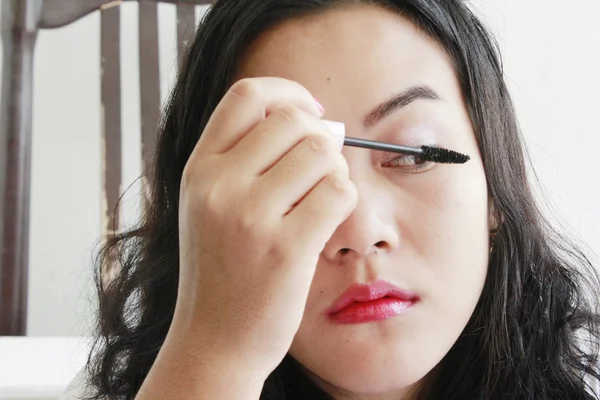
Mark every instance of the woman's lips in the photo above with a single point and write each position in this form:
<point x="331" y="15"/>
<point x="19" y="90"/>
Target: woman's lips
<point x="370" y="302"/>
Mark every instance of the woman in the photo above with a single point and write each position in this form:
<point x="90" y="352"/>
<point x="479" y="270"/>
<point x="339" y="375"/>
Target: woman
<point x="259" y="267"/>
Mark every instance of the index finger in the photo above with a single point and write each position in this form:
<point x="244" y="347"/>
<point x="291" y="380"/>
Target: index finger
<point x="247" y="103"/>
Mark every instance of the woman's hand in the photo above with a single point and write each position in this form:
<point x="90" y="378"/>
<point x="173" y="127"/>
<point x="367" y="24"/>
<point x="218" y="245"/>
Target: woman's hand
<point x="263" y="191"/>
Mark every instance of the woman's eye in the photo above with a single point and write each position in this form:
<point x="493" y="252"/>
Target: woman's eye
<point x="410" y="163"/>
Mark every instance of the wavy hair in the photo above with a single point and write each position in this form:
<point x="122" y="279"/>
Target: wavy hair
<point x="535" y="331"/>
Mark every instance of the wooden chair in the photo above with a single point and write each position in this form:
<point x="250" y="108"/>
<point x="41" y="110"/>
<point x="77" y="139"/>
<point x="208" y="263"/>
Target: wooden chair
<point x="21" y="20"/>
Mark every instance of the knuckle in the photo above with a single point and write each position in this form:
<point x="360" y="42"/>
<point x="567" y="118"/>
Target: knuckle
<point x="337" y="182"/>
<point x="342" y="185"/>
<point x="213" y="197"/>
<point x="251" y="224"/>
<point x="224" y="204"/>
<point x="326" y="145"/>
<point x="193" y="174"/>
<point x="301" y="89"/>
<point x="319" y="143"/>
<point x="250" y="217"/>
<point x="188" y="176"/>
<point x="289" y="114"/>
<point x="247" y="222"/>
<point x="247" y="88"/>
<point x="278" y="251"/>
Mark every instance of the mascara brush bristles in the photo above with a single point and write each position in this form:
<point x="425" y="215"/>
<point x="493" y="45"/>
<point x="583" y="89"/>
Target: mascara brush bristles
<point x="443" y="156"/>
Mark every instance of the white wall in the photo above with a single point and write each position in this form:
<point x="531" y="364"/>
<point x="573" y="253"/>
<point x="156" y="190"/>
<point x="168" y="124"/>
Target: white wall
<point x="552" y="59"/>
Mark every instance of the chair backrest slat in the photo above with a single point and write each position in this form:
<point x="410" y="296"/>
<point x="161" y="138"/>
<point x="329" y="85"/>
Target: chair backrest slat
<point x="149" y="79"/>
<point x="110" y="39"/>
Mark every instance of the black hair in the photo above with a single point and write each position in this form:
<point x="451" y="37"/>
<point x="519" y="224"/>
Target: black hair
<point x="535" y="331"/>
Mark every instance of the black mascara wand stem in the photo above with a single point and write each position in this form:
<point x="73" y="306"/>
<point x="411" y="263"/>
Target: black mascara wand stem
<point x="382" y="146"/>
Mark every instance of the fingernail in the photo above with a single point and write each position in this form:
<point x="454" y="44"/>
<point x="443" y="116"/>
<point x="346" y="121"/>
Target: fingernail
<point x="339" y="131"/>
<point x="319" y="106"/>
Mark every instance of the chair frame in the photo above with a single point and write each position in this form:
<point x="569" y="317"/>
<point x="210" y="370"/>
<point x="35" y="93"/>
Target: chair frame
<point x="21" y="21"/>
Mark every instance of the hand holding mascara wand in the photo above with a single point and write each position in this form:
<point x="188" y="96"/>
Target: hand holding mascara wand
<point x="433" y="154"/>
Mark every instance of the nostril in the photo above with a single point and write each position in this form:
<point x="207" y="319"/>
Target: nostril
<point x="379" y="245"/>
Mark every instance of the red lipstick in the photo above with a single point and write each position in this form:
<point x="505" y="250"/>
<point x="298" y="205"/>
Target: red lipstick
<point x="371" y="302"/>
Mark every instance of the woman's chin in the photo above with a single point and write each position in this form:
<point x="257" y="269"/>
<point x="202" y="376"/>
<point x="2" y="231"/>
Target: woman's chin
<point x="366" y="373"/>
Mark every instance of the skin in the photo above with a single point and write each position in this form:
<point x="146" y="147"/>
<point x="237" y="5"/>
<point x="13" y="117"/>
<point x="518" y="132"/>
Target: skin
<point x="424" y="228"/>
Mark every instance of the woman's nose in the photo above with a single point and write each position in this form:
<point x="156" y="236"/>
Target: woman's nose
<point x="370" y="229"/>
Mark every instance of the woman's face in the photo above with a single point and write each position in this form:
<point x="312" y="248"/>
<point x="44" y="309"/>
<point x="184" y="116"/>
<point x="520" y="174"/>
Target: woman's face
<point x="422" y="228"/>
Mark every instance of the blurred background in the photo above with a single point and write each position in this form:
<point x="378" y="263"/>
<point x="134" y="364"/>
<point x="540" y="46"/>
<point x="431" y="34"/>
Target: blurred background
<point x="551" y="53"/>
<point x="552" y="59"/>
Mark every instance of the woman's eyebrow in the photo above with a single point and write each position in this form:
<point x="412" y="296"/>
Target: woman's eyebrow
<point x="397" y="102"/>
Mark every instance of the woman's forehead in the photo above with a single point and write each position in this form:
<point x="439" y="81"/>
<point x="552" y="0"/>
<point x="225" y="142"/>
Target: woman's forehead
<point x="363" y="53"/>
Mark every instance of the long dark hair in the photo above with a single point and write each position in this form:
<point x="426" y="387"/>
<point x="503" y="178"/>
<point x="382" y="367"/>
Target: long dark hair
<point x="535" y="331"/>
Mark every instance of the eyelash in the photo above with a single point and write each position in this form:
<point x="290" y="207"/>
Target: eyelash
<point x="412" y="166"/>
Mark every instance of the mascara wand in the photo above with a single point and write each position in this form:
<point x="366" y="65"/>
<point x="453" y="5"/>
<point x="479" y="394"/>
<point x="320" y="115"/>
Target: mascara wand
<point x="428" y="153"/>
